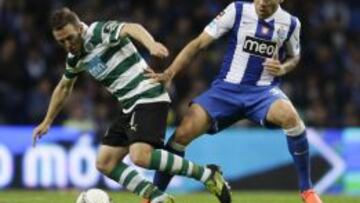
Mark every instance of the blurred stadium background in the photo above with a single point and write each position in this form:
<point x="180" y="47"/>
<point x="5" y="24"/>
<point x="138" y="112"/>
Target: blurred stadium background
<point x="325" y="88"/>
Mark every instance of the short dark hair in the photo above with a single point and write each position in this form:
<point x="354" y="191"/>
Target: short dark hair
<point x="63" y="16"/>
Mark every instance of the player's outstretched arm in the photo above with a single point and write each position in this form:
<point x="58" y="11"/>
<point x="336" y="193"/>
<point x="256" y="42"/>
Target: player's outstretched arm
<point x="58" y="99"/>
<point x="183" y="59"/>
<point x="139" y="33"/>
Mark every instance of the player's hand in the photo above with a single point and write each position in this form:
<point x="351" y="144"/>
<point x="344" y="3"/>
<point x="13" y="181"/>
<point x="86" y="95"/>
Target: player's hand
<point x="159" y="50"/>
<point x="274" y="67"/>
<point x="164" y="77"/>
<point x="39" y="131"/>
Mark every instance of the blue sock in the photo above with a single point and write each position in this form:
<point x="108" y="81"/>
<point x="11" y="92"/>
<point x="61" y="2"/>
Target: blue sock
<point x="162" y="180"/>
<point x="299" y="150"/>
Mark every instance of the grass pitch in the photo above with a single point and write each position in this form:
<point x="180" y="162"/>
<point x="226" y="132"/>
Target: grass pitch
<point x="31" y="196"/>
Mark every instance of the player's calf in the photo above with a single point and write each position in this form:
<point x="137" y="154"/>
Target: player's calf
<point x="299" y="149"/>
<point x="130" y="179"/>
<point x="160" y="160"/>
<point x="161" y="179"/>
<point x="195" y="123"/>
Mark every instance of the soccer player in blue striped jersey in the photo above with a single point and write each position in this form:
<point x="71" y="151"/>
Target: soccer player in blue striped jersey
<point x="264" y="44"/>
<point x="105" y="51"/>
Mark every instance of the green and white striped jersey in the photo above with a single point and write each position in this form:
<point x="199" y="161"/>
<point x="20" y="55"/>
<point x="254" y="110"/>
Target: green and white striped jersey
<point x="116" y="64"/>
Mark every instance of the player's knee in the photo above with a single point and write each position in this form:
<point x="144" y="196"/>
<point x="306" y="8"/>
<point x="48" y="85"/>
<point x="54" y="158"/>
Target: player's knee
<point x="141" y="157"/>
<point x="290" y="120"/>
<point x="103" y="166"/>
<point x="295" y="131"/>
<point x="285" y="115"/>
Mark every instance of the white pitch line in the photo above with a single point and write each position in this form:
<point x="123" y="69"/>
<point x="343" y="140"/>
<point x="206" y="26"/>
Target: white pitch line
<point x="337" y="163"/>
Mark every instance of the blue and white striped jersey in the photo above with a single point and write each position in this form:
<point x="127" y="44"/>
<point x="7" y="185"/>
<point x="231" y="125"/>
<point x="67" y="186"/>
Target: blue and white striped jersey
<point x="252" y="41"/>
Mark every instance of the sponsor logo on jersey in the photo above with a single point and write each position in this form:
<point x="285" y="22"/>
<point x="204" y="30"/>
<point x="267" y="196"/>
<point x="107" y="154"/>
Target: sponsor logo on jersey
<point x="259" y="47"/>
<point x="95" y="67"/>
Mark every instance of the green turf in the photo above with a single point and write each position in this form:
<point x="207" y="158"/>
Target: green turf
<point x="16" y="196"/>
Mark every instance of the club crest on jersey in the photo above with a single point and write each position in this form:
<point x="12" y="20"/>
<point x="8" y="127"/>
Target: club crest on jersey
<point x="265" y="30"/>
<point x="259" y="47"/>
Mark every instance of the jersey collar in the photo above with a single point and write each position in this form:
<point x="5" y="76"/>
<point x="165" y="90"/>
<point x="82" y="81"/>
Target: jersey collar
<point x="270" y="18"/>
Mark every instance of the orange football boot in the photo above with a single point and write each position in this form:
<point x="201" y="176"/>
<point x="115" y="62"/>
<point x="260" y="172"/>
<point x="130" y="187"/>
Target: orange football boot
<point x="145" y="201"/>
<point x="310" y="196"/>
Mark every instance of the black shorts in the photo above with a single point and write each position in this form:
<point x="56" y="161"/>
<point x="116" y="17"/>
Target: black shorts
<point x="146" y="123"/>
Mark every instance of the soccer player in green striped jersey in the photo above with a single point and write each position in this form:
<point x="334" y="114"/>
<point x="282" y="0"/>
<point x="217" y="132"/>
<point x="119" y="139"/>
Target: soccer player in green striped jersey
<point x="105" y="51"/>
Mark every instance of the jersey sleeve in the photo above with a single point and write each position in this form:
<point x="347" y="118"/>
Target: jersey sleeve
<point x="72" y="69"/>
<point x="105" y="32"/>
<point x="222" y="23"/>
<point x="293" y="45"/>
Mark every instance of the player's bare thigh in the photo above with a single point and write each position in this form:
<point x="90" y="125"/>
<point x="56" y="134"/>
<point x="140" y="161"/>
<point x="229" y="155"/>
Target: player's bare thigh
<point x="108" y="157"/>
<point x="195" y="123"/>
<point x="282" y="113"/>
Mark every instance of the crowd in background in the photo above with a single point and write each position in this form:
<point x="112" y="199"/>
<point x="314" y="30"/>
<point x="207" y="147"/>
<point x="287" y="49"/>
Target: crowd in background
<point x="325" y="87"/>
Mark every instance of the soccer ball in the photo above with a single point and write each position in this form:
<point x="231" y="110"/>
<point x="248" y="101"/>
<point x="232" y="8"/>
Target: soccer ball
<point x="94" y="196"/>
